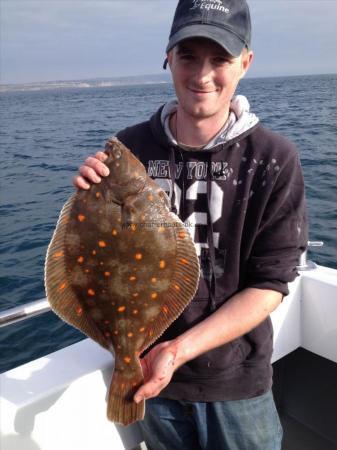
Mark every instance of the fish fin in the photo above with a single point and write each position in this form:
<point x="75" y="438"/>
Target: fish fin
<point x="62" y="299"/>
<point x="183" y="284"/>
<point x="121" y="406"/>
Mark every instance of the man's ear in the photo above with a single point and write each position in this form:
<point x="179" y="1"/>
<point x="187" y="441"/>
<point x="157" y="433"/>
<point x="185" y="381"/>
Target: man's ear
<point x="247" y="58"/>
<point x="169" y="57"/>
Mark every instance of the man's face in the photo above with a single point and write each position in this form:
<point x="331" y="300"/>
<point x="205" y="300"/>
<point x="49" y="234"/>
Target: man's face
<point x="205" y="76"/>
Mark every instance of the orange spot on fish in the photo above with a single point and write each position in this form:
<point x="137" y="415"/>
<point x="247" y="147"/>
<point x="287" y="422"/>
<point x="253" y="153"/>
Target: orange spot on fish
<point x="150" y="197"/>
<point x="165" y="309"/>
<point x="161" y="229"/>
<point x="187" y="278"/>
<point x="80" y="259"/>
<point x="153" y="280"/>
<point x="116" y="332"/>
<point x="142" y="329"/>
<point x="57" y="254"/>
<point x="132" y="278"/>
<point x="135" y="311"/>
<point x="101" y="263"/>
<point x="182" y="234"/>
<point x="91" y="292"/>
<point x="154" y="295"/>
<point x="117" y="164"/>
<point x="102" y="244"/>
<point x="107" y="274"/>
<point x="184" y="261"/>
<point x="127" y="359"/>
<point x="86" y="270"/>
<point x="98" y="194"/>
<point x="133" y="227"/>
<point x="135" y="294"/>
<point x="81" y="217"/>
<point x="94" y="252"/>
<point x="114" y="232"/>
<point x="177" y="287"/>
<point x="162" y="264"/>
<point x="79" y="311"/>
<point x="130" y="335"/>
<point x="138" y="256"/>
<point x="121" y="309"/>
<point x="151" y="333"/>
<point x="62" y="286"/>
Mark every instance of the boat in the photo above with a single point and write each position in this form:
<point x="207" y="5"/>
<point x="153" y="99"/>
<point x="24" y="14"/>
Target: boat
<point x="59" y="401"/>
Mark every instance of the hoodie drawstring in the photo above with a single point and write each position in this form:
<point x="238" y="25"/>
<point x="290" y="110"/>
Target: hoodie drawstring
<point x="173" y="179"/>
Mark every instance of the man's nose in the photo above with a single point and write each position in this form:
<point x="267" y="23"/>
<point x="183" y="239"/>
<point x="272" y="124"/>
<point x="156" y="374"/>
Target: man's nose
<point x="203" y="71"/>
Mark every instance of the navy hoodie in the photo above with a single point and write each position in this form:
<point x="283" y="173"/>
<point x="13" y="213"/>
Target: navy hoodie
<point x="242" y="199"/>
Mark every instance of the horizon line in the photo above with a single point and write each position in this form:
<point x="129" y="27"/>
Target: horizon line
<point x="164" y="75"/>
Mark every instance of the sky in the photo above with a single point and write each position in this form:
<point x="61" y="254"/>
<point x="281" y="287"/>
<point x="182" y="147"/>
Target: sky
<point x="79" y="39"/>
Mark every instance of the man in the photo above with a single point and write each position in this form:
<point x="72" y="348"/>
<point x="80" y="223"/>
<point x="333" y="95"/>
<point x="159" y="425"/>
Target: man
<point x="239" y="188"/>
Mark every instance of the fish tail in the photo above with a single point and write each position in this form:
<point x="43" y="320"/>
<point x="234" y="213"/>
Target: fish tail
<point x="121" y="406"/>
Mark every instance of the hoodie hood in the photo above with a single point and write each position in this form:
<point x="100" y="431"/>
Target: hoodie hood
<point x="240" y="120"/>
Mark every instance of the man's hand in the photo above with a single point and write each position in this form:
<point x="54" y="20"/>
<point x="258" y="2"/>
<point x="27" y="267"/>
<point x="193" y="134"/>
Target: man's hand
<point x="236" y="317"/>
<point x="91" y="171"/>
<point x="158" y="367"/>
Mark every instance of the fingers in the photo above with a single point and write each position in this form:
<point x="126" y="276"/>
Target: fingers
<point x="101" y="156"/>
<point x="162" y="371"/>
<point x="79" y="182"/>
<point x="91" y="171"/>
<point x="149" y="390"/>
<point x="97" y="165"/>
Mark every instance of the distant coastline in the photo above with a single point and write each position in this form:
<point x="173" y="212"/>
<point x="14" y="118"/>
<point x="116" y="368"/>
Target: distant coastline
<point x="88" y="83"/>
<point x="108" y="82"/>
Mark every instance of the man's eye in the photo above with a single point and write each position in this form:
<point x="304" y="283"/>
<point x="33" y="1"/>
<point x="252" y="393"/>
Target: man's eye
<point x="186" y="56"/>
<point x="221" y="60"/>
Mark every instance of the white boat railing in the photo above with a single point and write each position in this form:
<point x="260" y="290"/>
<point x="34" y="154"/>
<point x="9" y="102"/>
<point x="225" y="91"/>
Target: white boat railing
<point x="23" y="312"/>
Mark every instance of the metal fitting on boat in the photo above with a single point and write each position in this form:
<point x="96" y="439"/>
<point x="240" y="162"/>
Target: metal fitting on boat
<point x="304" y="263"/>
<point x="24" y="312"/>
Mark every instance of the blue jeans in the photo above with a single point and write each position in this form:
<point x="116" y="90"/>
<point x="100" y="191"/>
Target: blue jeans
<point x="251" y="424"/>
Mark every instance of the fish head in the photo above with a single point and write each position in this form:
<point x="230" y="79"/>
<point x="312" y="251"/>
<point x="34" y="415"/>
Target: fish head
<point x="127" y="174"/>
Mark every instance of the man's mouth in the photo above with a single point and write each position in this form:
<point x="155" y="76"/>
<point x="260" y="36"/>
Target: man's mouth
<point x="201" y="91"/>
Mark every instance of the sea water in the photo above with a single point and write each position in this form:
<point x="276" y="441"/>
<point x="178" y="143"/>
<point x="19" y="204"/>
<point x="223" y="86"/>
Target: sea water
<point x="46" y="134"/>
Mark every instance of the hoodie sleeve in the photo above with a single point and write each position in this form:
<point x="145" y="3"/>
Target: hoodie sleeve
<point x="282" y="235"/>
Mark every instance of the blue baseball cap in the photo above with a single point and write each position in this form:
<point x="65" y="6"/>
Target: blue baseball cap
<point x="226" y="22"/>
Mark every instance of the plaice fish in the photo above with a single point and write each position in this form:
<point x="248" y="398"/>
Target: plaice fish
<point x="121" y="268"/>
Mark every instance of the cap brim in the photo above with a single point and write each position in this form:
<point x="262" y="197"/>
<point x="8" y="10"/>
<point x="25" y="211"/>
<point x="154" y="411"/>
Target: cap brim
<point x="225" y="38"/>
